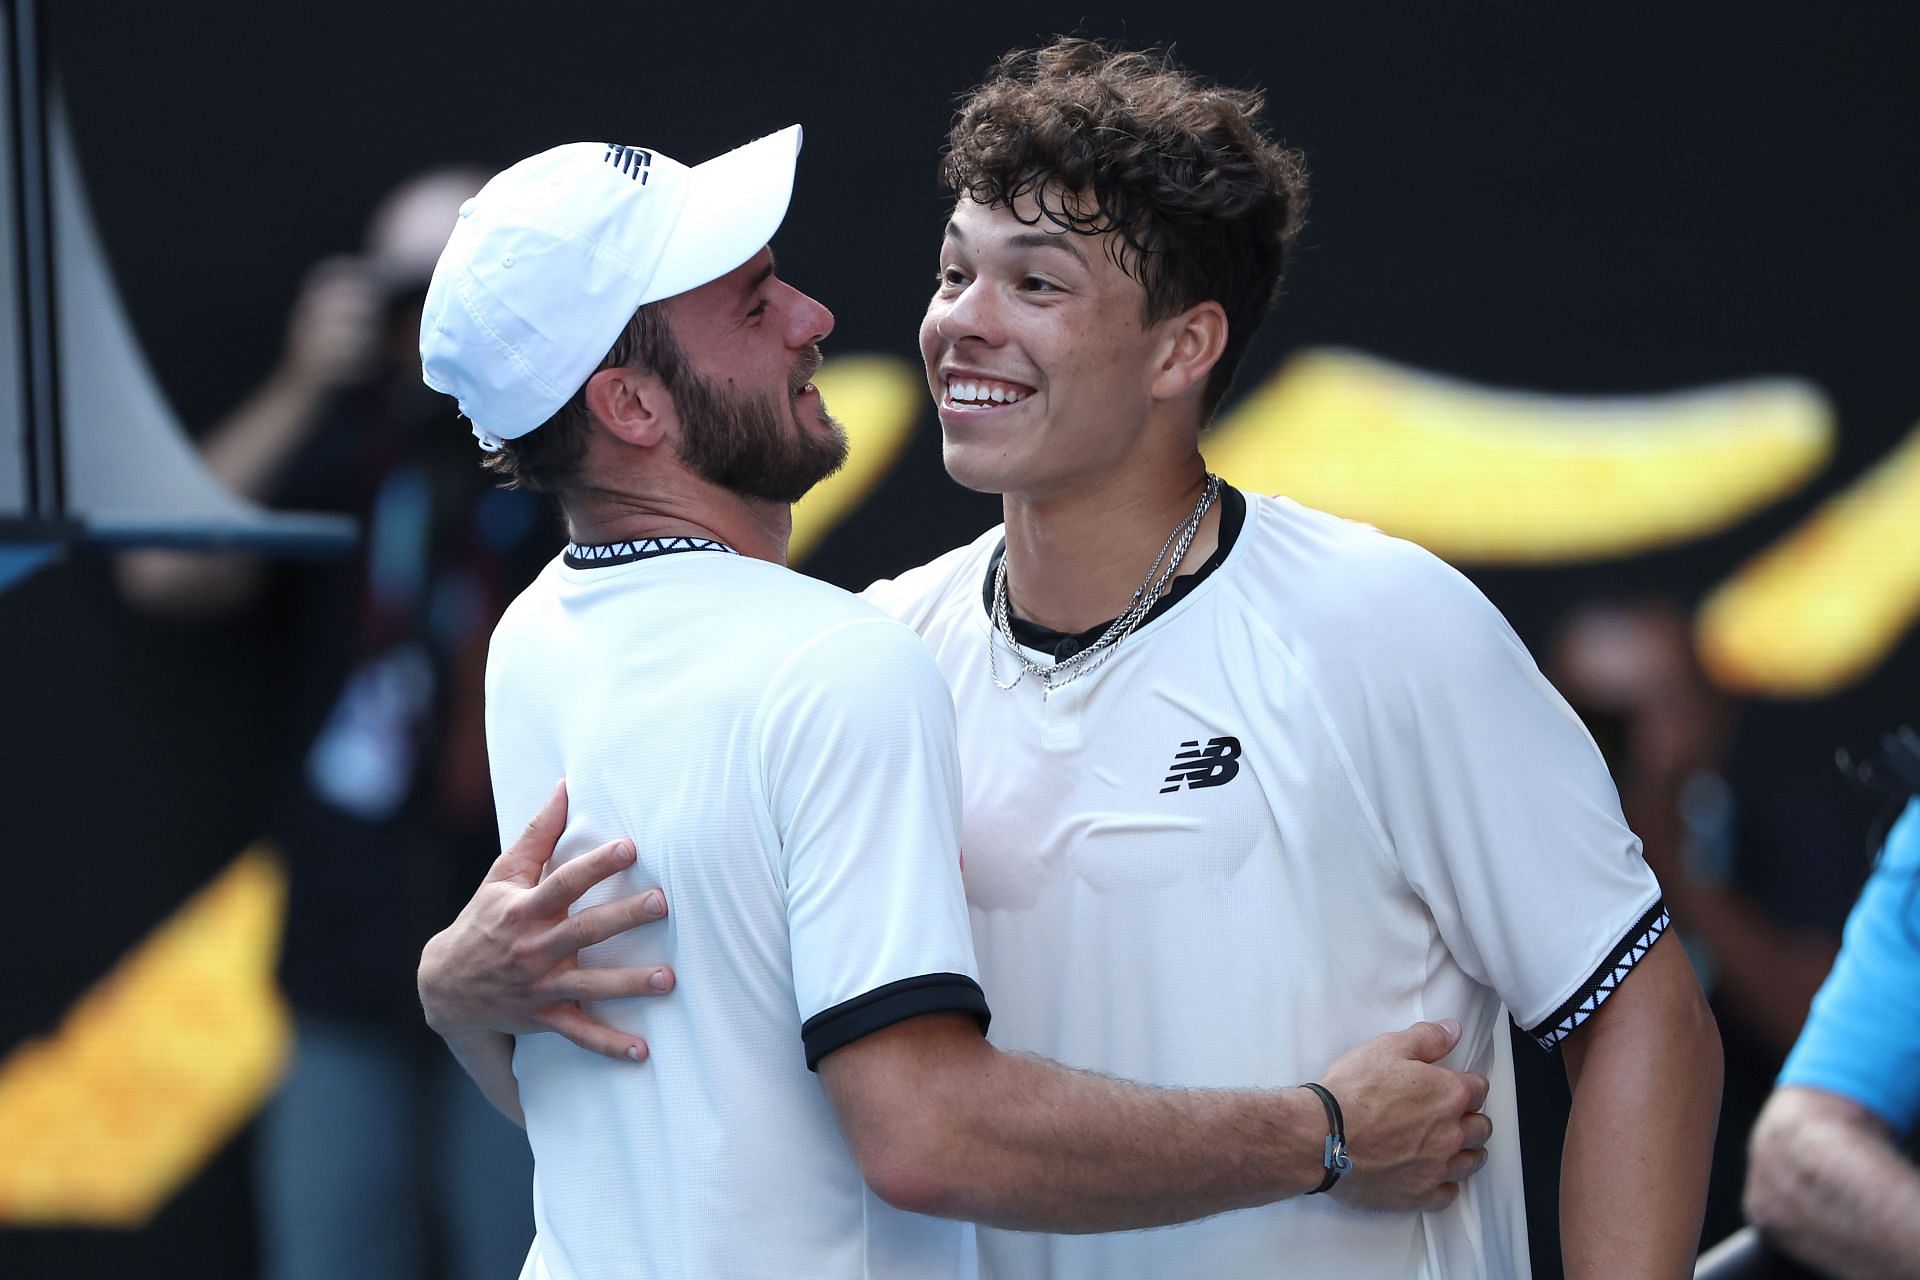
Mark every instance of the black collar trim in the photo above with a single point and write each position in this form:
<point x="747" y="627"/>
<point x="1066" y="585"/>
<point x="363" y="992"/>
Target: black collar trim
<point x="1233" y="517"/>
<point x="612" y="553"/>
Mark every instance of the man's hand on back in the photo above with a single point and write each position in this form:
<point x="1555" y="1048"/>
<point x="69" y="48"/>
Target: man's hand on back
<point x="510" y="962"/>
<point x="1414" y="1129"/>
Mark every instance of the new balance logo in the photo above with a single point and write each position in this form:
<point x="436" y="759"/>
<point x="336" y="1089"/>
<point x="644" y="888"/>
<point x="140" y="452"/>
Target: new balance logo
<point x="632" y="161"/>
<point x="1210" y="766"/>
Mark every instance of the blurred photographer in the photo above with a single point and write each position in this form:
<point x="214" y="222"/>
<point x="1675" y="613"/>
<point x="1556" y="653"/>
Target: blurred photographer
<point x="377" y="1158"/>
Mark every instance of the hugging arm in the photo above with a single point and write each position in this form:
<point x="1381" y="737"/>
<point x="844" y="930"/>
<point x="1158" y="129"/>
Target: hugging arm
<point x="943" y="1123"/>
<point x="509" y="964"/>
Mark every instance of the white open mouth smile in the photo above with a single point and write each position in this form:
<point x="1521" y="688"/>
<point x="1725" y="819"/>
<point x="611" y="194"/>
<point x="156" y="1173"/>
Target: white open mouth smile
<point x="970" y="391"/>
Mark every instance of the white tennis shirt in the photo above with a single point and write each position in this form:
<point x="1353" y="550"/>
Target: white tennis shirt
<point x="783" y="755"/>
<point x="1322" y="795"/>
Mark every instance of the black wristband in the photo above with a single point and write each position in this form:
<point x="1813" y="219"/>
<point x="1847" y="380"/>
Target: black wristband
<point x="1335" y="1161"/>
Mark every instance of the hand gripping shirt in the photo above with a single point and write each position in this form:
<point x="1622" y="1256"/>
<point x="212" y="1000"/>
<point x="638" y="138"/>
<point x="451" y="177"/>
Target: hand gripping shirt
<point x="782" y="756"/>
<point x="1322" y="795"/>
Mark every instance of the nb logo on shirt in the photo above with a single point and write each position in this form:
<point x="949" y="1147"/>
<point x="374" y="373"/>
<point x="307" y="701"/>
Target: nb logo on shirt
<point x="1210" y="766"/>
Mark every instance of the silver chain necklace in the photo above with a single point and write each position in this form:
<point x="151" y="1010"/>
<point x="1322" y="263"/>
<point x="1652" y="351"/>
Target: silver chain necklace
<point x="1091" y="658"/>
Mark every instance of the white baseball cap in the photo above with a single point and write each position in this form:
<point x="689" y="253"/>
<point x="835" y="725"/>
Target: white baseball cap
<point x="548" y="263"/>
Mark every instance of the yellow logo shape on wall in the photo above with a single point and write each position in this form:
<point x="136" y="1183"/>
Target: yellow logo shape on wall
<point x="1488" y="476"/>
<point x="155" y="1068"/>
<point x="877" y="399"/>
<point x="1822" y="607"/>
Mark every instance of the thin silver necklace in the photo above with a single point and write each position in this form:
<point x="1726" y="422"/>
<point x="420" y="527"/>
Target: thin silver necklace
<point x="1090" y="659"/>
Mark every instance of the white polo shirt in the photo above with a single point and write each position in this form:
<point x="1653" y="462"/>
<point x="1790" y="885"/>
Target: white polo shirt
<point x="1322" y="794"/>
<point x="783" y="755"/>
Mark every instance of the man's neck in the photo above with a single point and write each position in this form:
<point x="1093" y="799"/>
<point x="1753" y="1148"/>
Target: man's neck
<point x="1074" y="561"/>
<point x="693" y="509"/>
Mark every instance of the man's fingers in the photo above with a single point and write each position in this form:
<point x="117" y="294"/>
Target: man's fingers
<point x="595" y="1037"/>
<point x="564" y="884"/>
<point x="615" y="984"/>
<point x="1477" y="1086"/>
<point x="1465" y="1165"/>
<point x="1478" y="1130"/>
<point x="522" y="860"/>
<point x="1442" y="1196"/>
<point x="1427" y="1041"/>
<point x="606" y="920"/>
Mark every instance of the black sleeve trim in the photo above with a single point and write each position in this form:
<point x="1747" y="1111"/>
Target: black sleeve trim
<point x="881" y="1007"/>
<point x="1592" y="993"/>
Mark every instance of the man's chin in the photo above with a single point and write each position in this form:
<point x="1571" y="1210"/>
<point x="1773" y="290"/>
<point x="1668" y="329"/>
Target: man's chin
<point x="972" y="468"/>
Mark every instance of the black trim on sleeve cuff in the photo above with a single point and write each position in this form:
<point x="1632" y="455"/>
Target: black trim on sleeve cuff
<point x="1592" y="993"/>
<point x="881" y="1007"/>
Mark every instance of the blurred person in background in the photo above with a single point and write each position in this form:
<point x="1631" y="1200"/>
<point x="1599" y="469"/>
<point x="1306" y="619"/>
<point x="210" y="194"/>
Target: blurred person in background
<point x="1758" y="914"/>
<point x="1827" y="1182"/>
<point x="381" y="804"/>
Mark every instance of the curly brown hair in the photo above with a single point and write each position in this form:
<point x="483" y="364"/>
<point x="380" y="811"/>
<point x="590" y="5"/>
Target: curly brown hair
<point x="1200" y="202"/>
<point x="548" y="458"/>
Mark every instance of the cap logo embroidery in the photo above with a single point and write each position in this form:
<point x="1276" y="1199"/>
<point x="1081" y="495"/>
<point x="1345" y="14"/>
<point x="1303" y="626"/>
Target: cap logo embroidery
<point x="635" y="162"/>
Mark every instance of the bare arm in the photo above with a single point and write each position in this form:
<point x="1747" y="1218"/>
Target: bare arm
<point x="487" y="1057"/>
<point x="510" y="963"/>
<point x="1764" y="971"/>
<point x="1825" y="1184"/>
<point x="1645" y="1072"/>
<point x="943" y="1123"/>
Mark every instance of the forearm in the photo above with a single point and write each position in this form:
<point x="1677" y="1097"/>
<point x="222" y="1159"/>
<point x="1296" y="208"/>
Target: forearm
<point x="1826" y="1185"/>
<point x="1646" y="1100"/>
<point x="487" y="1056"/>
<point x="1030" y="1145"/>
<point x="250" y="449"/>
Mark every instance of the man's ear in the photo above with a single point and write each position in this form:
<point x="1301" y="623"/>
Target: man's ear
<point x="1194" y="340"/>
<point x="633" y="404"/>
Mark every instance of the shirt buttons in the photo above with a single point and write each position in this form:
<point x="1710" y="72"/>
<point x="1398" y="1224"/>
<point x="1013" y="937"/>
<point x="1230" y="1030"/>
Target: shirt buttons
<point x="1065" y="649"/>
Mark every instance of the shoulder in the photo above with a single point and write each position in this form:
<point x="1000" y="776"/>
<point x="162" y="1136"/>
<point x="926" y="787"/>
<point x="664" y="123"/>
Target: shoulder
<point x="529" y="612"/>
<point x="1902" y="854"/>
<point x="1862" y="1034"/>
<point x="918" y="595"/>
<point x="854" y="658"/>
<point x="1343" y="587"/>
<point x="1884" y="925"/>
<point x="816" y="633"/>
<point x="862" y="691"/>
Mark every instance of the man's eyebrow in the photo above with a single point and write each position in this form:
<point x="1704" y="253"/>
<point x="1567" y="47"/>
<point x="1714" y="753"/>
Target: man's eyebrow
<point x="1061" y="240"/>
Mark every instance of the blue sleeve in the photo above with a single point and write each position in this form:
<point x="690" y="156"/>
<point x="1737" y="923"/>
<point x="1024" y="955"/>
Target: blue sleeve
<point x="1862" y="1038"/>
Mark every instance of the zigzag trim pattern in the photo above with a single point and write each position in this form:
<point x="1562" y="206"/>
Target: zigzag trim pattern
<point x="608" y="553"/>
<point x="1595" y="990"/>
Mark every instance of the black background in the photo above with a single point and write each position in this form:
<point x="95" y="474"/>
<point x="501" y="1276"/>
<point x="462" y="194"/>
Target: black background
<point x="1630" y="198"/>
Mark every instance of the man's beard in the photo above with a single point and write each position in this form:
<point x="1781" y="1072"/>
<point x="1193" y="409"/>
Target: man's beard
<point x="751" y="444"/>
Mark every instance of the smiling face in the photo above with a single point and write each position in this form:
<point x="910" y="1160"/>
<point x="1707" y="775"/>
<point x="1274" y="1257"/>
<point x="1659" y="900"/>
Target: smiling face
<point x="1037" y="355"/>
<point x="751" y="419"/>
